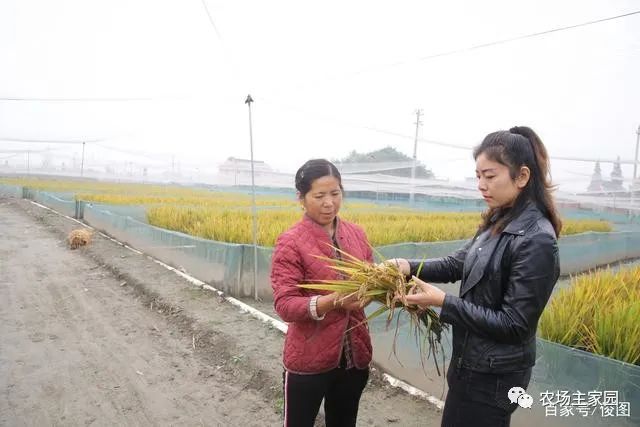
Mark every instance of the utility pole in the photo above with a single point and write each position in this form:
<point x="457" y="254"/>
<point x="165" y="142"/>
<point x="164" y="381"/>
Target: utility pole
<point x="635" y="164"/>
<point x="254" y="233"/>
<point x="28" y="161"/>
<point x="635" y="184"/>
<point x="415" y="158"/>
<point x="82" y="162"/>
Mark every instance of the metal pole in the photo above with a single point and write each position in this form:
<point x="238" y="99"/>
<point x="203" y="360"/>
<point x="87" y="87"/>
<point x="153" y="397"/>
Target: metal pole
<point x="415" y="158"/>
<point x="635" y="164"/>
<point x="82" y="161"/>
<point x="254" y="233"/>
<point x="634" y="181"/>
<point x="28" y="161"/>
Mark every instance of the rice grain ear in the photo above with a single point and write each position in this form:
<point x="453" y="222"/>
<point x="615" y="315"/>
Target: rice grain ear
<point x="384" y="284"/>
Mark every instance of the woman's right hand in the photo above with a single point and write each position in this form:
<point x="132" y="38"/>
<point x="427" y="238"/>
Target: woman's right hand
<point x="401" y="263"/>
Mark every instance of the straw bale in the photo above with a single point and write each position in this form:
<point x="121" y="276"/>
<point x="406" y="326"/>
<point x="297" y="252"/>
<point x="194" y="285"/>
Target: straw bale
<point x="79" y="237"/>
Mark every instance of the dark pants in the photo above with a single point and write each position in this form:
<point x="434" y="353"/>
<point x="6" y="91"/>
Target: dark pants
<point x="341" y="389"/>
<point x="481" y="400"/>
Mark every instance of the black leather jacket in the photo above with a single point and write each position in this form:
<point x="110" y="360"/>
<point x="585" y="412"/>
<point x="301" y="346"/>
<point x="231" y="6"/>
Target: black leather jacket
<point x="506" y="282"/>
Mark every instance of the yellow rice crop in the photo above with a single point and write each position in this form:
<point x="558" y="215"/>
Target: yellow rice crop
<point x="382" y="227"/>
<point x="598" y="313"/>
<point x="227" y="216"/>
<point x="99" y="187"/>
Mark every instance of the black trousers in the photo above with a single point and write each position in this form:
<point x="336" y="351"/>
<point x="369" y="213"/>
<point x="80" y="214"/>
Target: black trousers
<point x="340" y="388"/>
<point x="478" y="399"/>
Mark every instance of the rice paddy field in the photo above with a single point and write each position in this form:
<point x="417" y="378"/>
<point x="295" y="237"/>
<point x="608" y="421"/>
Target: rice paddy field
<point x="227" y="217"/>
<point x="599" y="313"/>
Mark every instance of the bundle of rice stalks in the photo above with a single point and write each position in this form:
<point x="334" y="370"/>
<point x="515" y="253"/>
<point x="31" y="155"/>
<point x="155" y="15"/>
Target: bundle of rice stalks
<point x="385" y="284"/>
<point x="79" y="237"/>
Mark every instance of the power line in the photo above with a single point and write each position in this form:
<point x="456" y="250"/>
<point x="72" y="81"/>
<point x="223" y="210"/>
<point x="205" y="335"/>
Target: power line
<point x="213" y="24"/>
<point x="430" y="141"/>
<point x="476" y="47"/>
<point x="10" y="156"/>
<point x="527" y="36"/>
<point x="158" y="157"/>
<point x="592" y="160"/>
<point x="365" y="127"/>
<point x="48" y="141"/>
<point x="236" y="74"/>
<point x="422" y="140"/>
<point x="24" y="151"/>
<point x="17" y="153"/>
<point x="7" y="99"/>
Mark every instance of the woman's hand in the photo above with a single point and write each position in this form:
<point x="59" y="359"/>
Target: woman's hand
<point x="336" y="301"/>
<point x="351" y="303"/>
<point x="424" y="295"/>
<point x="401" y="263"/>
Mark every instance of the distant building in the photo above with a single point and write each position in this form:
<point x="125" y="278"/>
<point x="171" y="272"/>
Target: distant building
<point x="233" y="165"/>
<point x="596" y="179"/>
<point x="616" y="176"/>
<point x="599" y="185"/>
<point x="240" y="169"/>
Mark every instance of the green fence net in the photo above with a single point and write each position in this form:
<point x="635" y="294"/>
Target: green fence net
<point x="60" y="202"/>
<point x="559" y="370"/>
<point x="10" y="190"/>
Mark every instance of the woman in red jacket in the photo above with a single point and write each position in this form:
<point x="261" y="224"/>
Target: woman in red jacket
<point x="324" y="358"/>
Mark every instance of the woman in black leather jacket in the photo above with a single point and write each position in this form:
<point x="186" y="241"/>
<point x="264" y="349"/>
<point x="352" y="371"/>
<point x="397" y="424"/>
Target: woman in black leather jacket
<point x="507" y="273"/>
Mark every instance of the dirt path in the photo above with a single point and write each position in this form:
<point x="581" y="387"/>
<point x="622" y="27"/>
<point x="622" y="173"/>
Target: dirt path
<point x="78" y="349"/>
<point x="104" y="336"/>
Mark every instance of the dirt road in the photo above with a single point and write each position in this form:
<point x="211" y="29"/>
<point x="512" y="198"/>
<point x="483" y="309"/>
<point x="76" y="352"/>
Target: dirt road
<point x="79" y="349"/>
<point x="104" y="336"/>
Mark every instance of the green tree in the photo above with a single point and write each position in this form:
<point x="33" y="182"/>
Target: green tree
<point x="387" y="154"/>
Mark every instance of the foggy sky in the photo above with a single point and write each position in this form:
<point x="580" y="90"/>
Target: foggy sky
<point x="327" y="78"/>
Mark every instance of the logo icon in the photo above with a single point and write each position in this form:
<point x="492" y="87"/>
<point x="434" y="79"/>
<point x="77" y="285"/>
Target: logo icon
<point x="515" y="393"/>
<point x="525" y="401"/>
<point x="518" y="395"/>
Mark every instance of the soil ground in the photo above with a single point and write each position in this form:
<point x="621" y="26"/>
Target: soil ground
<point x="104" y="336"/>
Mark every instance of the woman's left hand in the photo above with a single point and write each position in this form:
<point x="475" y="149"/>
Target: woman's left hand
<point x="424" y="295"/>
<point x="351" y="303"/>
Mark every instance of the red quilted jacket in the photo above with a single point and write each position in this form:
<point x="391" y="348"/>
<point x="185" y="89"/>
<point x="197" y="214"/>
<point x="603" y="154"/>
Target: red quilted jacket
<point x="315" y="346"/>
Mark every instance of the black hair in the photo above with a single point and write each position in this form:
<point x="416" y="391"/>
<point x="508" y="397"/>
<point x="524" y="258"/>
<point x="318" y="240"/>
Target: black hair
<point x="520" y="146"/>
<point x="312" y="170"/>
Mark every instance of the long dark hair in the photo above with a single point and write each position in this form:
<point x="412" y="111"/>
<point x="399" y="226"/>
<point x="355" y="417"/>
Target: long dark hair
<point x="312" y="170"/>
<point x="517" y="147"/>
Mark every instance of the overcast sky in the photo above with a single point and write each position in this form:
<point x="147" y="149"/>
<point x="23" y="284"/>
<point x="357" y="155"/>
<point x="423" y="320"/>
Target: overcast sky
<point x="327" y="77"/>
